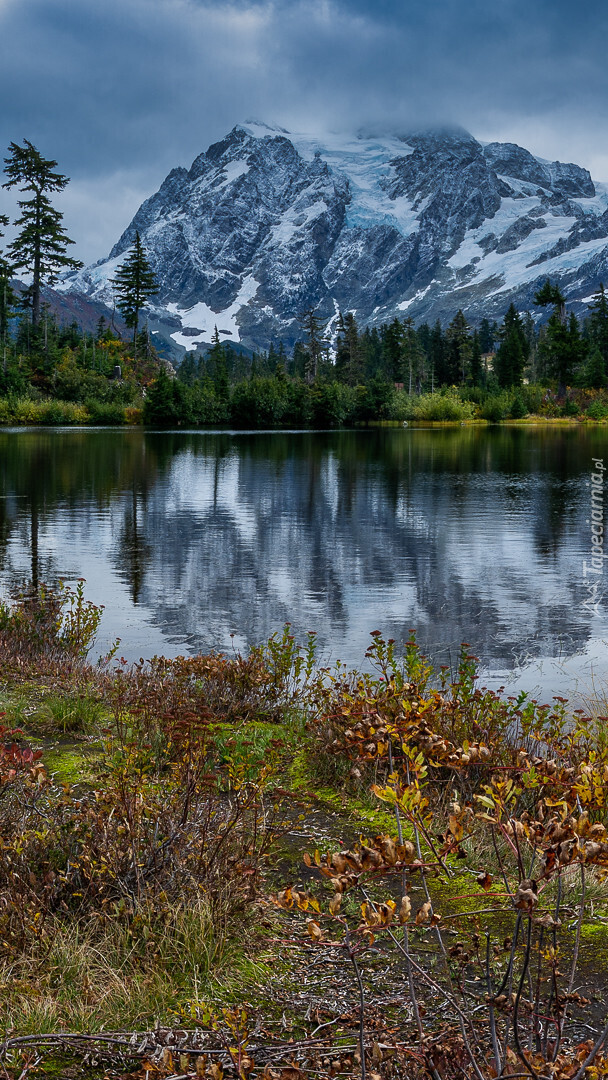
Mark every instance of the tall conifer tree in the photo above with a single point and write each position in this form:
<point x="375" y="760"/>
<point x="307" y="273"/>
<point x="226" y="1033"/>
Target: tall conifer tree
<point x="512" y="352"/>
<point x="598" y="322"/>
<point x="7" y="296"/>
<point x="460" y="347"/>
<point x="315" y="342"/>
<point x="134" y="283"/>
<point x="561" y="346"/>
<point x="40" y="246"/>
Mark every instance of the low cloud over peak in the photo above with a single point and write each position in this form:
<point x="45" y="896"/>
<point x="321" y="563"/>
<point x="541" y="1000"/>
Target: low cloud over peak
<point x="121" y="93"/>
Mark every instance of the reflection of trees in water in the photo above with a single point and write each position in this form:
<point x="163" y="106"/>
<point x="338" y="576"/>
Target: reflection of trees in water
<point x="306" y="529"/>
<point x="464" y="534"/>
<point x="80" y="471"/>
<point x="133" y="552"/>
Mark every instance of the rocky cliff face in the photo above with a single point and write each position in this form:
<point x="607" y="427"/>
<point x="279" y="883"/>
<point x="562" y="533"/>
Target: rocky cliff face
<point x="267" y="224"/>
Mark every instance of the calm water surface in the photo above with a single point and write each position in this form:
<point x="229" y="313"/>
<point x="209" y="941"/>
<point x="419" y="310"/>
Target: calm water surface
<point x="196" y="541"/>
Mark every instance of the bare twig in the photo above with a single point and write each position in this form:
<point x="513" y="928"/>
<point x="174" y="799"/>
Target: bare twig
<point x="350" y="952"/>
<point x="516" y="1039"/>
<point x="491" y="1012"/>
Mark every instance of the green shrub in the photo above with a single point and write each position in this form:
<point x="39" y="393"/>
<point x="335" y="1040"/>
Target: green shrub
<point x="70" y="714"/>
<point x="598" y="410"/>
<point x="570" y="408"/>
<point x="334" y="404"/>
<point x="518" y="408"/>
<point x="446" y="405"/>
<point x="26" y="410"/>
<point x="105" y="412"/>
<point x="258" y="403"/>
<point x="532" y="396"/>
<point x="497" y="407"/>
<point x="51" y="624"/>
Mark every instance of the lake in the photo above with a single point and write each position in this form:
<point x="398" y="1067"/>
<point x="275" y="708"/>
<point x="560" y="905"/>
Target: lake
<point x="213" y="540"/>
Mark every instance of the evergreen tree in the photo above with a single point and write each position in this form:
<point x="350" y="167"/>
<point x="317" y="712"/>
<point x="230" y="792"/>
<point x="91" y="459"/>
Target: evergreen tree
<point x="477" y="373"/>
<point x="598" y="322"/>
<point x="561" y="346"/>
<point x="40" y="246"/>
<point x="551" y="294"/>
<point x="187" y="372"/>
<point x="7" y="298"/>
<point x="594" y="373"/>
<point x="438" y="357"/>
<point x="299" y="360"/>
<point x="134" y="283"/>
<point x="271" y="359"/>
<point x="487" y="335"/>
<point x="512" y="353"/>
<point x="314" y="341"/>
<point x="217" y="366"/>
<point x="349" y="355"/>
<point x="412" y="356"/>
<point x="460" y="347"/>
<point x="342" y="350"/>
<point x="531" y="342"/>
<point x="160" y="407"/>
<point x="392" y="355"/>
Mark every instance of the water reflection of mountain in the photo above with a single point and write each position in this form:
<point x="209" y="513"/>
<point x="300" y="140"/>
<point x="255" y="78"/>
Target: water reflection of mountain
<point x="468" y="535"/>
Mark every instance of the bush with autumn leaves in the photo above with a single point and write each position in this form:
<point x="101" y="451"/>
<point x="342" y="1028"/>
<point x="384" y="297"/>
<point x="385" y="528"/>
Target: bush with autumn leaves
<point x="500" y="811"/>
<point x="481" y="890"/>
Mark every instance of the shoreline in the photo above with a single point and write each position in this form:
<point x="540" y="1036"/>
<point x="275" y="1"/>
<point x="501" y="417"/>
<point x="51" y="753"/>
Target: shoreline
<point x="527" y="421"/>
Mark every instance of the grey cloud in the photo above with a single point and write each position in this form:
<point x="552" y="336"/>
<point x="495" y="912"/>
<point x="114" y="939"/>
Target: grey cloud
<point x="129" y="89"/>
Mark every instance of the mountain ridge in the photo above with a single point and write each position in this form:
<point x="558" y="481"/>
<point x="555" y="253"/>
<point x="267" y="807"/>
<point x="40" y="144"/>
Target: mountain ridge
<point x="268" y="223"/>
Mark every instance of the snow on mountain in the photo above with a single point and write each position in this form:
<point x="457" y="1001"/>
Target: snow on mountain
<point x="268" y="223"/>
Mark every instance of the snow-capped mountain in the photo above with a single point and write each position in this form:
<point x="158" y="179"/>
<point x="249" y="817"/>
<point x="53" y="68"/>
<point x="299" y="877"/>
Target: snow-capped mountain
<point x="267" y="223"/>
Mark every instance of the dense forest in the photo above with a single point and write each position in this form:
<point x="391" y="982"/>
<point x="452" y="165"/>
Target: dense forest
<point x="54" y="374"/>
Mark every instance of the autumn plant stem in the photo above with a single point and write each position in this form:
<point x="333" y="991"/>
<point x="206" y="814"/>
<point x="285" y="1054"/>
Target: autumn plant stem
<point x="518" y="1047"/>
<point x="462" y="1020"/>
<point x="350" y="952"/>
<point x="447" y="997"/>
<point x="491" y="1012"/>
<point x="577" y="943"/>
<point x="406" y="936"/>
<point x="579" y="926"/>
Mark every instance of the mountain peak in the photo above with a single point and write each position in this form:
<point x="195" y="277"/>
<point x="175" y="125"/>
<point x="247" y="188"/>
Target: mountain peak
<point x="268" y="223"/>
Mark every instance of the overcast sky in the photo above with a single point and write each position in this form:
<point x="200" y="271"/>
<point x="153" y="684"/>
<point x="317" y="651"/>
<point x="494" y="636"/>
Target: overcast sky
<point x="121" y="91"/>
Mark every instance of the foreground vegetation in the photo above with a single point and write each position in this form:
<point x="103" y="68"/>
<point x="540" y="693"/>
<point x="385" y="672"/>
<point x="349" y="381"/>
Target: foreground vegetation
<point x="253" y="867"/>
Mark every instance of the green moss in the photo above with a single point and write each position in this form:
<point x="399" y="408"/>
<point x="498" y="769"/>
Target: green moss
<point x="361" y="810"/>
<point x="69" y="764"/>
<point x="67" y="1067"/>
<point x="597" y="934"/>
